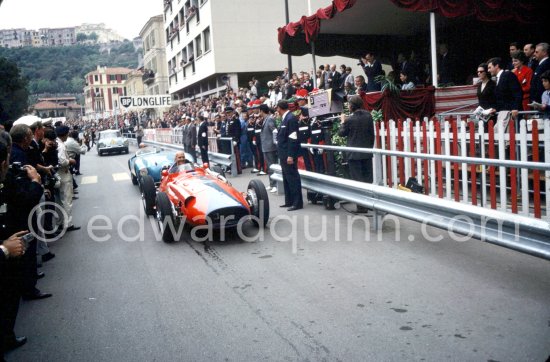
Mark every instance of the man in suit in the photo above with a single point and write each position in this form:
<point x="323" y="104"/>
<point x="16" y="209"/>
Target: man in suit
<point x="508" y="91"/>
<point x="269" y="148"/>
<point x="10" y="249"/>
<point x="202" y="139"/>
<point x="333" y="79"/>
<point x="541" y="54"/>
<point x="372" y="69"/>
<point x="359" y="130"/>
<point x="287" y="147"/>
<point x="234" y="131"/>
<point x="190" y="141"/>
<point x="529" y="50"/>
<point x="445" y="65"/>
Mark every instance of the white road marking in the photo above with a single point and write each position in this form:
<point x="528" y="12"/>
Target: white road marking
<point x="86" y="180"/>
<point x="122" y="176"/>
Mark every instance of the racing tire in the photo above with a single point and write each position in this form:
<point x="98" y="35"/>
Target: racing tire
<point x="148" y="194"/>
<point x="165" y="217"/>
<point x="257" y="190"/>
<point x="126" y="150"/>
<point x="99" y="153"/>
<point x="134" y="180"/>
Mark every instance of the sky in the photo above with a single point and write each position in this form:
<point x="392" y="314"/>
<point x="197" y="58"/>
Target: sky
<point x="126" y="17"/>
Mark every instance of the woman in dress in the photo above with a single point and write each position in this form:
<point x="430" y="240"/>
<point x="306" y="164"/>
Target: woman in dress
<point x="485" y="88"/>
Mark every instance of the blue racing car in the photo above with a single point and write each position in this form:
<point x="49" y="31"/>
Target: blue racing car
<point x="150" y="161"/>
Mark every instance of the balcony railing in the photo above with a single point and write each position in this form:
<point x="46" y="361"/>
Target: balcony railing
<point x="148" y="77"/>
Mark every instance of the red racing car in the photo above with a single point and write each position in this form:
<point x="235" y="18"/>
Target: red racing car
<point x="199" y="196"/>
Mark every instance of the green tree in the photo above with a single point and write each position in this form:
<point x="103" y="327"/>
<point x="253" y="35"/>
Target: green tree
<point x="14" y="96"/>
<point x="93" y="36"/>
<point x="80" y="37"/>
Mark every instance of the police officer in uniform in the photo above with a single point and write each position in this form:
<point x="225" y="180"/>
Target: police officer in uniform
<point x="250" y="133"/>
<point x="304" y="134"/>
<point x="317" y="138"/>
<point x="287" y="148"/>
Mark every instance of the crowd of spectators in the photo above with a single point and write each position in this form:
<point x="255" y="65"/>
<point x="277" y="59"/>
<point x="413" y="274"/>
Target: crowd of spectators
<point x="37" y="167"/>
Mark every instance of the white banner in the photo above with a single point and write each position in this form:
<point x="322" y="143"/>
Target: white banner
<point x="321" y="103"/>
<point x="146" y="101"/>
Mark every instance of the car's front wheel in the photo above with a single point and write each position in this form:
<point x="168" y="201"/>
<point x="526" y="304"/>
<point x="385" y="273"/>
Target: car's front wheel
<point x="148" y="193"/>
<point x="258" y="201"/>
<point x="165" y="218"/>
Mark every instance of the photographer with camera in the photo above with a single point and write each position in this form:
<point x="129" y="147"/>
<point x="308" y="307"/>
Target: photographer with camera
<point x="23" y="192"/>
<point x="14" y="262"/>
<point x="36" y="160"/>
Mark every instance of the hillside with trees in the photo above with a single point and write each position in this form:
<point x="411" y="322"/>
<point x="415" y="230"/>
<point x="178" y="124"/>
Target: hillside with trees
<point x="62" y="69"/>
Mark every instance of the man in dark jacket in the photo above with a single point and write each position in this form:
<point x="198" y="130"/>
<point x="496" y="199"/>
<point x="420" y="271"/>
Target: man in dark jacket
<point x="508" y="91"/>
<point x="234" y="131"/>
<point x="287" y="148"/>
<point x="202" y="139"/>
<point x="359" y="130"/>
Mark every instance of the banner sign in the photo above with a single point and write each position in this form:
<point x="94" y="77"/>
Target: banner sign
<point x="146" y="101"/>
<point x="321" y="103"/>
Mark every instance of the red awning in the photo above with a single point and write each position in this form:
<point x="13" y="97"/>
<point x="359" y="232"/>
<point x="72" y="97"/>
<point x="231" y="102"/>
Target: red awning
<point x="485" y="10"/>
<point x="398" y="18"/>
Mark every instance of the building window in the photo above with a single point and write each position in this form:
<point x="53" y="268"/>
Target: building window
<point x="206" y="37"/>
<point x="198" y="45"/>
<point x="96" y="79"/>
<point x="112" y="77"/>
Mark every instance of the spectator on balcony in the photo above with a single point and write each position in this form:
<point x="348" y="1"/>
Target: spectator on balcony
<point x="485" y="88"/>
<point x="541" y="54"/>
<point x="406" y="83"/>
<point x="524" y="75"/>
<point x="372" y="68"/>
<point x="508" y="90"/>
<point x="360" y="85"/>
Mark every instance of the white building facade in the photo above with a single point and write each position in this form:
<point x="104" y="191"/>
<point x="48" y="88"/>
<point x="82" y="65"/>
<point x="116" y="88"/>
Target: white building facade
<point x="215" y="43"/>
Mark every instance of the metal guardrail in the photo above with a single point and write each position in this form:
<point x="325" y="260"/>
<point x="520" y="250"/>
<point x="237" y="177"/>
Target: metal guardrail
<point x="520" y="233"/>
<point x="214" y="157"/>
<point x="542" y="166"/>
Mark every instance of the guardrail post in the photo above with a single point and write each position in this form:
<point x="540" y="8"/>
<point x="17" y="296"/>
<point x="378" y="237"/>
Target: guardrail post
<point x="377" y="179"/>
<point x="234" y="171"/>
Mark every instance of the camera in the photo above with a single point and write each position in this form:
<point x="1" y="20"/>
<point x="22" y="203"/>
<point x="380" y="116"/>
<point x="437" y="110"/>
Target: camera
<point x="17" y="170"/>
<point x="26" y="239"/>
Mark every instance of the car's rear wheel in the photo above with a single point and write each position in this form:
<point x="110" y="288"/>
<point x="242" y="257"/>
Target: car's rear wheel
<point x="258" y="201"/>
<point x="148" y="194"/>
<point x="165" y="217"/>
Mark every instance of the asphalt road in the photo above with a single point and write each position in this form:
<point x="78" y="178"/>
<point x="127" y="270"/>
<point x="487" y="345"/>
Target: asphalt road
<point x="349" y="296"/>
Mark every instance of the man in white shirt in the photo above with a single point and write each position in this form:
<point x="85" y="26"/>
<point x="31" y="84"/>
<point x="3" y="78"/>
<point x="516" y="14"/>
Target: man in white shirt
<point x="66" y="188"/>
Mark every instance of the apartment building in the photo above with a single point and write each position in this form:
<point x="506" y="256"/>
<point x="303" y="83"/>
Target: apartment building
<point x="155" y="72"/>
<point x="105" y="85"/>
<point x="215" y="43"/>
<point x="12" y="38"/>
<point x="58" y="36"/>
